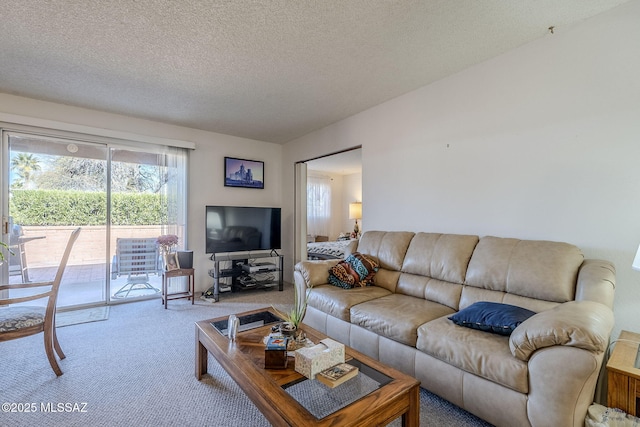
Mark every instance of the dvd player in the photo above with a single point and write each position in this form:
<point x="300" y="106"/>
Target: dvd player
<point x="258" y="267"/>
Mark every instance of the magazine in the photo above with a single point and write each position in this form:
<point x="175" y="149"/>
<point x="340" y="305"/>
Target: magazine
<point x="338" y="374"/>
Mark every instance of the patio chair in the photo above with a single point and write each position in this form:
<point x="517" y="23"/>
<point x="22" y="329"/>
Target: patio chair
<point x="21" y="321"/>
<point x="17" y="242"/>
<point x="136" y="258"/>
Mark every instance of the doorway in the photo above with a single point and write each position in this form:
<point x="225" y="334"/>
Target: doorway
<point x="341" y="173"/>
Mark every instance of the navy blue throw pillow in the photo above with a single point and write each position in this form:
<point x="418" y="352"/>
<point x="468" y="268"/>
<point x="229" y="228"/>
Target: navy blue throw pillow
<point x="492" y="317"/>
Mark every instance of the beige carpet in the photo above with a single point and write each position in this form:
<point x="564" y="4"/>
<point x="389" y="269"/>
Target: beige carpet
<point x="137" y="369"/>
<point x="74" y="317"/>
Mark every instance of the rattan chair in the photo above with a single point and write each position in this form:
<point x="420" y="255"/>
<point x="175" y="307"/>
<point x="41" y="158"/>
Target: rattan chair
<point x="17" y="321"/>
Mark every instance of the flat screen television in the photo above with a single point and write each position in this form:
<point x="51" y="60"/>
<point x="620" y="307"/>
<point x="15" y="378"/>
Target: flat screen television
<point x="236" y="229"/>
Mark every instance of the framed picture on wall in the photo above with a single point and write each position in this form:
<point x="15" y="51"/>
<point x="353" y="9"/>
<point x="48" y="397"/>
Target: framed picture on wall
<point x="243" y="173"/>
<point x="171" y="261"/>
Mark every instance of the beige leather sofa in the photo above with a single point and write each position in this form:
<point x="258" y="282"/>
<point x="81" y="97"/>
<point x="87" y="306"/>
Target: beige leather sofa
<point x="543" y="374"/>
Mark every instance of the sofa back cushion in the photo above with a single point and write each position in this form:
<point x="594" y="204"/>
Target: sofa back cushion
<point x="440" y="256"/>
<point x="536" y="269"/>
<point x="472" y="294"/>
<point x="435" y="266"/>
<point x="388" y="248"/>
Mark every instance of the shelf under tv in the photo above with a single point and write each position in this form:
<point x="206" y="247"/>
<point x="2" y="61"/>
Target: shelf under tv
<point x="236" y="272"/>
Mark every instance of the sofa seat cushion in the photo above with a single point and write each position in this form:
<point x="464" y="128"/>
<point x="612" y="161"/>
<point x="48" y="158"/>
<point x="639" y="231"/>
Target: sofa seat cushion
<point x="397" y="316"/>
<point x="481" y="353"/>
<point x="337" y="301"/>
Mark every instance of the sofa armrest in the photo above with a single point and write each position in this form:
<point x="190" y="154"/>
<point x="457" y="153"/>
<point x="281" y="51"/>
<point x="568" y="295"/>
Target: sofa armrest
<point x="312" y="273"/>
<point x="581" y="324"/>
<point x="596" y="282"/>
<point x="307" y="274"/>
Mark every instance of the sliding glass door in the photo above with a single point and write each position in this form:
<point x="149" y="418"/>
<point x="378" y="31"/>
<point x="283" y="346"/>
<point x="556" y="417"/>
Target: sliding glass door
<point x="54" y="186"/>
<point x="147" y="200"/>
<point x="116" y="194"/>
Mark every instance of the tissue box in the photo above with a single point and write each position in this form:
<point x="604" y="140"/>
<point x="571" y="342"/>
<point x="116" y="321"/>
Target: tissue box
<point x="311" y="360"/>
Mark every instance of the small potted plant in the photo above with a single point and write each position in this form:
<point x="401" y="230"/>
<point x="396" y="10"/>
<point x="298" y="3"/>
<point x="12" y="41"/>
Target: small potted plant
<point x="167" y="242"/>
<point x="293" y="318"/>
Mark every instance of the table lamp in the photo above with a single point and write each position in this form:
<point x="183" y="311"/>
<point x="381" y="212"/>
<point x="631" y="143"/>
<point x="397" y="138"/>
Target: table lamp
<point x="355" y="212"/>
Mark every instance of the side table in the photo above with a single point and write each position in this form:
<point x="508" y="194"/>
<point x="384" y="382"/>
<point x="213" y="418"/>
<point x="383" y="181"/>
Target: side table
<point x="166" y="296"/>
<point x="623" y="377"/>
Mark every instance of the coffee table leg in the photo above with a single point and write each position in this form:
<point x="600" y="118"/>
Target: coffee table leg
<point x="411" y="418"/>
<point x="201" y="358"/>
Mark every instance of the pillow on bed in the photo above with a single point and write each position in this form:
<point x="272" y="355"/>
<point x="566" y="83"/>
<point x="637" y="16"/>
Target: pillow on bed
<point x="355" y="270"/>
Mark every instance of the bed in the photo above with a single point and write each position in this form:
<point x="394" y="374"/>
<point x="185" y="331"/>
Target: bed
<point x="330" y="250"/>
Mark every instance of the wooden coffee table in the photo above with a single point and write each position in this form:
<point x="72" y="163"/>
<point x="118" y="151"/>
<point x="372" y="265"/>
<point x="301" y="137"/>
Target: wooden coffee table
<point x="276" y="392"/>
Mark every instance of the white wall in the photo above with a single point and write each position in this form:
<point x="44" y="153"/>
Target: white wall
<point x="337" y="205"/>
<point x="206" y="184"/>
<point x="540" y="143"/>
<point x="352" y="192"/>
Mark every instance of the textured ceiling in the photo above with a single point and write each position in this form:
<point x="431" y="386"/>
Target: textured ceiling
<point x="271" y="70"/>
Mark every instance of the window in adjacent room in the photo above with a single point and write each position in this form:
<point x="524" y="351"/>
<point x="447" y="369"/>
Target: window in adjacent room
<point x="318" y="205"/>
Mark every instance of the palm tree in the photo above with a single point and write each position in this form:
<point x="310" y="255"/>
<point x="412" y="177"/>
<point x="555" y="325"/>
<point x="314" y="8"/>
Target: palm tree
<point x="25" y="166"/>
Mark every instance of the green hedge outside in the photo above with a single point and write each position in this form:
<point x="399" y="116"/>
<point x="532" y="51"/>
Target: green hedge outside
<point x="58" y="207"/>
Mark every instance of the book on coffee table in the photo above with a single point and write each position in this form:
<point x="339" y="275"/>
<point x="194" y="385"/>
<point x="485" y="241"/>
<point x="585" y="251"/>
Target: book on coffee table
<point x="336" y="375"/>
<point x="277" y="342"/>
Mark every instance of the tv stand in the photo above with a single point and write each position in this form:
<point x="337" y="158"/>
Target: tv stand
<point x="245" y="280"/>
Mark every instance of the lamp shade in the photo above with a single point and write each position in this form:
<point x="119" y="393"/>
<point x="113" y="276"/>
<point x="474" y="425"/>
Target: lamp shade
<point x="636" y="261"/>
<point x="355" y="210"/>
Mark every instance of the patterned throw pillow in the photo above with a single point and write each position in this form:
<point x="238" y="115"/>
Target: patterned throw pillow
<point x="355" y="270"/>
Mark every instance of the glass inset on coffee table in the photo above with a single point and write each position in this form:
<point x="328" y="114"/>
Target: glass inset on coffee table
<point x="321" y="400"/>
<point x="248" y="321"/>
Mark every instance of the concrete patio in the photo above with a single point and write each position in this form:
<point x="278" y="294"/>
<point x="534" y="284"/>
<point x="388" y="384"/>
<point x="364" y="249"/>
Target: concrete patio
<point x="84" y="284"/>
<point x="86" y="273"/>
